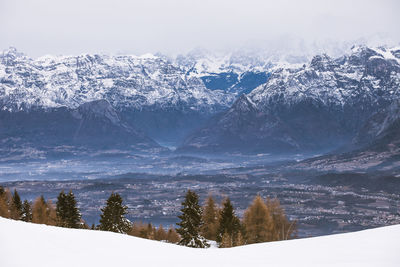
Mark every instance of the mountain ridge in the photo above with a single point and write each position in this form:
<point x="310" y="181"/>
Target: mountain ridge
<point x="322" y="105"/>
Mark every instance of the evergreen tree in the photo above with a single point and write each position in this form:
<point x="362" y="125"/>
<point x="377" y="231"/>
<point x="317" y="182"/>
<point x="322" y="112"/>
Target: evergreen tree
<point x="229" y="225"/>
<point x="210" y="219"/>
<point x="191" y="222"/>
<point x="61" y="209"/>
<point x="68" y="214"/>
<point x="26" y="212"/>
<point x="258" y="222"/>
<point x="74" y="217"/>
<point x="113" y="215"/>
<point x="16" y="206"/>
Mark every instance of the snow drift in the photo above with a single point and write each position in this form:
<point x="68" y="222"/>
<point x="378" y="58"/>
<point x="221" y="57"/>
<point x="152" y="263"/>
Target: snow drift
<point x="27" y="244"/>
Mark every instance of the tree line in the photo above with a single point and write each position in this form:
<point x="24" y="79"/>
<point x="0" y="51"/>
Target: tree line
<point x="65" y="213"/>
<point x="263" y="221"/>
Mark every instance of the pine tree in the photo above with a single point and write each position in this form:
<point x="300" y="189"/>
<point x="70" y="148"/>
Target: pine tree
<point x="26" y="212"/>
<point x="229" y="225"/>
<point x="74" y="217"/>
<point x="210" y="219"/>
<point x="258" y="222"/>
<point x="61" y="209"/>
<point x="191" y="222"/>
<point x="68" y="214"/>
<point x="16" y="206"/>
<point x="113" y="215"/>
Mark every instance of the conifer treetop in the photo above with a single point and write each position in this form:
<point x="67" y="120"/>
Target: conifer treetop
<point x="191" y="222"/>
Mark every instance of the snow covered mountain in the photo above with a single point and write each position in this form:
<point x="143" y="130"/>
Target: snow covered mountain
<point x="317" y="106"/>
<point x="298" y="107"/>
<point x="150" y="92"/>
<point x="137" y="82"/>
<point x="73" y="247"/>
<point x="237" y="72"/>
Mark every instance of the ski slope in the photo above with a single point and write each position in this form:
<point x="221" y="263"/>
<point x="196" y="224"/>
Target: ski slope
<point x="26" y="244"/>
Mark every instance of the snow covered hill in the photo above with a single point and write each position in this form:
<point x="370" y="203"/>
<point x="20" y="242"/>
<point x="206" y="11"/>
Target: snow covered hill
<point x="26" y="244"/>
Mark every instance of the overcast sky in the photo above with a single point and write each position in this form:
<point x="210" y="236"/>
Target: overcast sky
<point x="39" y="27"/>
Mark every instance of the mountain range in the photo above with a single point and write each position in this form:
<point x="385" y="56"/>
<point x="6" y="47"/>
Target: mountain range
<point x="152" y="93"/>
<point x="317" y="106"/>
<point x="204" y="103"/>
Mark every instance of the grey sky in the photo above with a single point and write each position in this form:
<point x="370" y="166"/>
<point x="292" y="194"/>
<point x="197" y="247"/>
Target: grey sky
<point x="39" y="27"/>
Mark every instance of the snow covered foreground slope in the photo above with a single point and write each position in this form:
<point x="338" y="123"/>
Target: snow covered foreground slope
<point x="26" y="244"/>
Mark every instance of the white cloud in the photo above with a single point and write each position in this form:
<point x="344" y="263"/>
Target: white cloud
<point x="172" y="26"/>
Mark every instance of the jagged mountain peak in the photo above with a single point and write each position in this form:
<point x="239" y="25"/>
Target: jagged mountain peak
<point x="11" y="55"/>
<point x="334" y="81"/>
<point x="12" y="51"/>
<point x="322" y="62"/>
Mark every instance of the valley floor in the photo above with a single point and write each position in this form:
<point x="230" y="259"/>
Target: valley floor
<point x="27" y="244"/>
